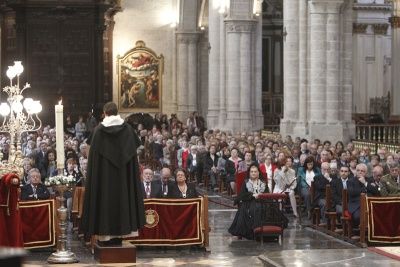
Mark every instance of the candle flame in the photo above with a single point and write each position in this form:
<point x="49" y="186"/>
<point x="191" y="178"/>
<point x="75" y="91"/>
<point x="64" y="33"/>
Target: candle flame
<point x="60" y="102"/>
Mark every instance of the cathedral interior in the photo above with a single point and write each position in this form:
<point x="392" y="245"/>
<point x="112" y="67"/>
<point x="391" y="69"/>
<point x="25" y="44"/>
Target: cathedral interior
<point x="312" y="69"/>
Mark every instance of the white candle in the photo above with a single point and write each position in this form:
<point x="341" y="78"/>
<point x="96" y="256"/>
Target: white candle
<point x="60" y="135"/>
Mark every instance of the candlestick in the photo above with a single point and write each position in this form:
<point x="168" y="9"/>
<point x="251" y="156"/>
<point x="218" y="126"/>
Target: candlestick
<point x="60" y="135"/>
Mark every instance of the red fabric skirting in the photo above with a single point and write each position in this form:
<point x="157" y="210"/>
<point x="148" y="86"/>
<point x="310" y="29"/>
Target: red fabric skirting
<point x="38" y="224"/>
<point x="171" y="222"/>
<point x="383" y="219"/>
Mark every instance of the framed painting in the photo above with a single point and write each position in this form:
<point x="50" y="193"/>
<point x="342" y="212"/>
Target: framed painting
<point x="140" y="80"/>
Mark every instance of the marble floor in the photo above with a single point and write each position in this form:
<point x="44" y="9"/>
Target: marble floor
<point x="301" y="246"/>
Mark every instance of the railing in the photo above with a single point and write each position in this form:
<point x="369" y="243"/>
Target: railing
<point x="373" y="146"/>
<point x="385" y="133"/>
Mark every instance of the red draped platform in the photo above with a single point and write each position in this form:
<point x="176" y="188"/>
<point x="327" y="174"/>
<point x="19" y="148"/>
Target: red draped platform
<point x="172" y="222"/>
<point x="383" y="219"/>
<point x="38" y="223"/>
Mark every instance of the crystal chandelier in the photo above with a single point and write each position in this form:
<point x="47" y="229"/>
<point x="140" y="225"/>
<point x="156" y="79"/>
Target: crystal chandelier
<point x="19" y="114"/>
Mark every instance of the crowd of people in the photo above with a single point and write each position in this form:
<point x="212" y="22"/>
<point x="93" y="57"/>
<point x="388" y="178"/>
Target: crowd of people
<point x="176" y="156"/>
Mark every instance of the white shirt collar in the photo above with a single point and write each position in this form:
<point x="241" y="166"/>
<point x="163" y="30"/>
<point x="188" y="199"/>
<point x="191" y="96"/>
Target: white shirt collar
<point x="112" y="120"/>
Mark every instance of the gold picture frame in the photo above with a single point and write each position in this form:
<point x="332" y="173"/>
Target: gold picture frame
<point x="140" y="73"/>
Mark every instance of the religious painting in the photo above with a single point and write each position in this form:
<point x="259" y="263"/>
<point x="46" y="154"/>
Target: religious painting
<point x="139" y="80"/>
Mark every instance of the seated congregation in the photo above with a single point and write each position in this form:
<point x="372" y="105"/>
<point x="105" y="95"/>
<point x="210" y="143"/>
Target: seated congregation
<point x="269" y="179"/>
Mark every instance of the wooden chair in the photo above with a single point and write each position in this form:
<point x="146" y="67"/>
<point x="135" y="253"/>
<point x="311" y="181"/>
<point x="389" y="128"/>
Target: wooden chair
<point x="363" y="219"/>
<point x="315" y="212"/>
<point x="346" y="217"/>
<point x="221" y="183"/>
<point x="331" y="215"/>
<point x="271" y="223"/>
<point x="77" y="203"/>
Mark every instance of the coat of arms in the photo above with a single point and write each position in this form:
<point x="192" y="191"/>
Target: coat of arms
<point x="152" y="218"/>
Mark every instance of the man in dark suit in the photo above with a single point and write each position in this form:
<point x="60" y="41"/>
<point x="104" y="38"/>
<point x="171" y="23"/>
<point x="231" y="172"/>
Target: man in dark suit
<point x="356" y="186"/>
<point x="35" y="190"/>
<point x="164" y="187"/>
<point x="320" y="182"/>
<point x="41" y="160"/>
<point x="149" y="187"/>
<point x="210" y="165"/>
<point x="337" y="187"/>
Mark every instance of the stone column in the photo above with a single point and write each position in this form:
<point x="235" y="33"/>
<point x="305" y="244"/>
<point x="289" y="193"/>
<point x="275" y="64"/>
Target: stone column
<point x="182" y="75"/>
<point x="301" y="125"/>
<point x="186" y="73"/>
<point x="222" y="73"/>
<point x="246" y="89"/>
<point x="258" y="121"/>
<point x="213" y="67"/>
<point x="395" y="22"/>
<point x="192" y="72"/>
<point x="318" y="65"/>
<point x="333" y="62"/>
<point x="232" y="76"/>
<point x="291" y="66"/>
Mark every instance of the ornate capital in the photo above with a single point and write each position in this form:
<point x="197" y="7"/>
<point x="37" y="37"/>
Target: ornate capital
<point x="380" y="28"/>
<point x="240" y="25"/>
<point x="187" y="38"/>
<point x="325" y="7"/>
<point x="359" y="28"/>
<point x="395" y="21"/>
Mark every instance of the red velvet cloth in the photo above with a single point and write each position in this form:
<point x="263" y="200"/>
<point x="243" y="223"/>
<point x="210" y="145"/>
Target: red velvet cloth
<point x="10" y="222"/>
<point x="38" y="224"/>
<point x="239" y="179"/>
<point x="178" y="222"/>
<point x="274" y="196"/>
<point x="383" y="219"/>
<point x="268" y="229"/>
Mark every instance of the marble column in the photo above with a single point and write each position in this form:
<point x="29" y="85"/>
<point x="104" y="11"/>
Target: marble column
<point x="186" y="73"/>
<point x="213" y="66"/>
<point x="291" y="66"/>
<point x="395" y="22"/>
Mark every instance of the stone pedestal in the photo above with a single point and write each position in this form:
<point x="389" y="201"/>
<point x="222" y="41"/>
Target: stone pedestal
<point x="123" y="254"/>
<point x="340" y="131"/>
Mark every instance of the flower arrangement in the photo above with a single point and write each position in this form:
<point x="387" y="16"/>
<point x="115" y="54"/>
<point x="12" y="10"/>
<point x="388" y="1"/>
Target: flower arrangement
<point x="60" y="180"/>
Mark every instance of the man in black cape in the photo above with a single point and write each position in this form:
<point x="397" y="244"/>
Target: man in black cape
<point x="113" y="207"/>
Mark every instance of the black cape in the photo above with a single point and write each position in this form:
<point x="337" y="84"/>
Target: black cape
<point x="249" y="214"/>
<point x="113" y="203"/>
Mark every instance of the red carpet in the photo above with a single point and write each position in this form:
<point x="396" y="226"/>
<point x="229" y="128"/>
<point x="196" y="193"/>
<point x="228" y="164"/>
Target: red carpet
<point x="391" y="252"/>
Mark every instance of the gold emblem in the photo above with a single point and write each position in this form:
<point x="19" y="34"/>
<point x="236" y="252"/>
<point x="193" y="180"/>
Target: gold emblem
<point x="151" y="218"/>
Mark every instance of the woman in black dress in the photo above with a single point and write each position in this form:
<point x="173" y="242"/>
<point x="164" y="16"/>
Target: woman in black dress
<point x="182" y="189"/>
<point x="248" y="215"/>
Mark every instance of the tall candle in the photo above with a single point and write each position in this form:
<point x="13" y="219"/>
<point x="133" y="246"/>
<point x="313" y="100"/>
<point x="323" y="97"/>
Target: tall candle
<point x="60" y="135"/>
